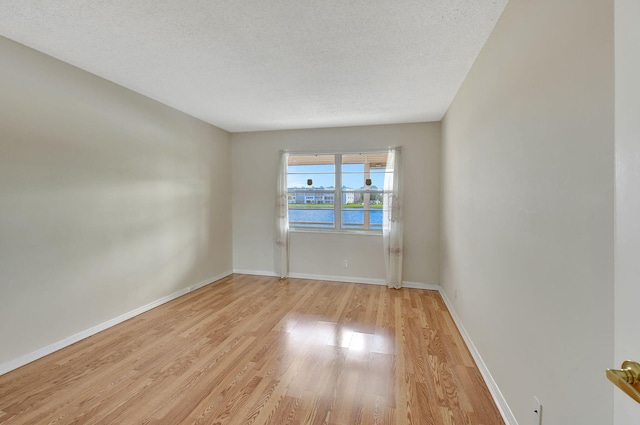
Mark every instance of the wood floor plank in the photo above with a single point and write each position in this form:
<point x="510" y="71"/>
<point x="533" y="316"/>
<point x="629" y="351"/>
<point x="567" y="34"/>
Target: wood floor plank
<point x="255" y="350"/>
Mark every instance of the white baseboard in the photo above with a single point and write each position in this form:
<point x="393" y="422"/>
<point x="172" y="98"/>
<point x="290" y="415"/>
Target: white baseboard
<point x="209" y="281"/>
<point x="498" y="398"/>
<point x="35" y="355"/>
<point x="366" y="280"/>
<point x="350" y="279"/>
<point x="420" y="285"/>
<point x="314" y="277"/>
<point x="371" y="281"/>
<point x="255" y="272"/>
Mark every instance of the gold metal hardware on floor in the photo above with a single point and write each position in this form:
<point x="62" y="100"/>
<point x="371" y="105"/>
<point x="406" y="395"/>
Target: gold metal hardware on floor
<point x="627" y="378"/>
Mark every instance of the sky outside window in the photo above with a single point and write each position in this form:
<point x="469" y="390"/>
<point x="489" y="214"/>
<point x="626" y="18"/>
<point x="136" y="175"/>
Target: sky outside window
<point x="323" y="175"/>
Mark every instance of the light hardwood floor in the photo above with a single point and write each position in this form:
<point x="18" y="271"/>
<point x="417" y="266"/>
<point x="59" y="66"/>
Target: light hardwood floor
<point x="258" y="350"/>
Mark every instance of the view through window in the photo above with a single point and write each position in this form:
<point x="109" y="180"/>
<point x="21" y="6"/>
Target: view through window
<point x="325" y="186"/>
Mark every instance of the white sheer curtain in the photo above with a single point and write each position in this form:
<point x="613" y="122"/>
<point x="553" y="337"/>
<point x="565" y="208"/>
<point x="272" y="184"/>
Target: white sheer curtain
<point x="392" y="219"/>
<point x="282" y="219"/>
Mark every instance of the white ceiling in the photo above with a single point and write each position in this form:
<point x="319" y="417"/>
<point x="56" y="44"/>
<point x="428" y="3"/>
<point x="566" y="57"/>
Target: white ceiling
<point x="247" y="65"/>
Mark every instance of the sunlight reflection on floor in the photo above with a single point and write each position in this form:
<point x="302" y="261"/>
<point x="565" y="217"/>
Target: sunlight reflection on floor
<point x="303" y="331"/>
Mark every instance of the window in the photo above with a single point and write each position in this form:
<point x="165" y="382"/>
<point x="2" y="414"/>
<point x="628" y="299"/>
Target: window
<point x="315" y="182"/>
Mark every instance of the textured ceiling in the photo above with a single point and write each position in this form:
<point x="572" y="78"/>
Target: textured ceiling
<point x="246" y="65"/>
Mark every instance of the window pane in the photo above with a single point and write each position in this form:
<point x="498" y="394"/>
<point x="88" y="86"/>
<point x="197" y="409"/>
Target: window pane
<point x="311" y="172"/>
<point x="362" y="210"/>
<point x="311" y="209"/>
<point x="357" y="168"/>
<point x="311" y="184"/>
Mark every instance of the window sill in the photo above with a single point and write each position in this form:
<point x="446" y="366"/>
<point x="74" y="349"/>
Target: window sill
<point x="338" y="232"/>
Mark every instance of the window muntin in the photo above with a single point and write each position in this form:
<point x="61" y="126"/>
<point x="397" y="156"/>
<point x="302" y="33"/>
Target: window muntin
<point x="323" y="187"/>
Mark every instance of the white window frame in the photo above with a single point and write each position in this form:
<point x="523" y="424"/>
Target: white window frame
<point x="338" y="194"/>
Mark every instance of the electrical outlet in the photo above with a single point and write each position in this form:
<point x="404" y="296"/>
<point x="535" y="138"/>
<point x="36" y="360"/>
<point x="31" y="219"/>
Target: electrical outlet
<point x="346" y="263"/>
<point x="537" y="412"/>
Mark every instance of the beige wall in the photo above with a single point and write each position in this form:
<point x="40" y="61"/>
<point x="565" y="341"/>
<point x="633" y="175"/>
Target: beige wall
<point x="528" y="188"/>
<point x="255" y="158"/>
<point x="627" y="130"/>
<point x="108" y="201"/>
